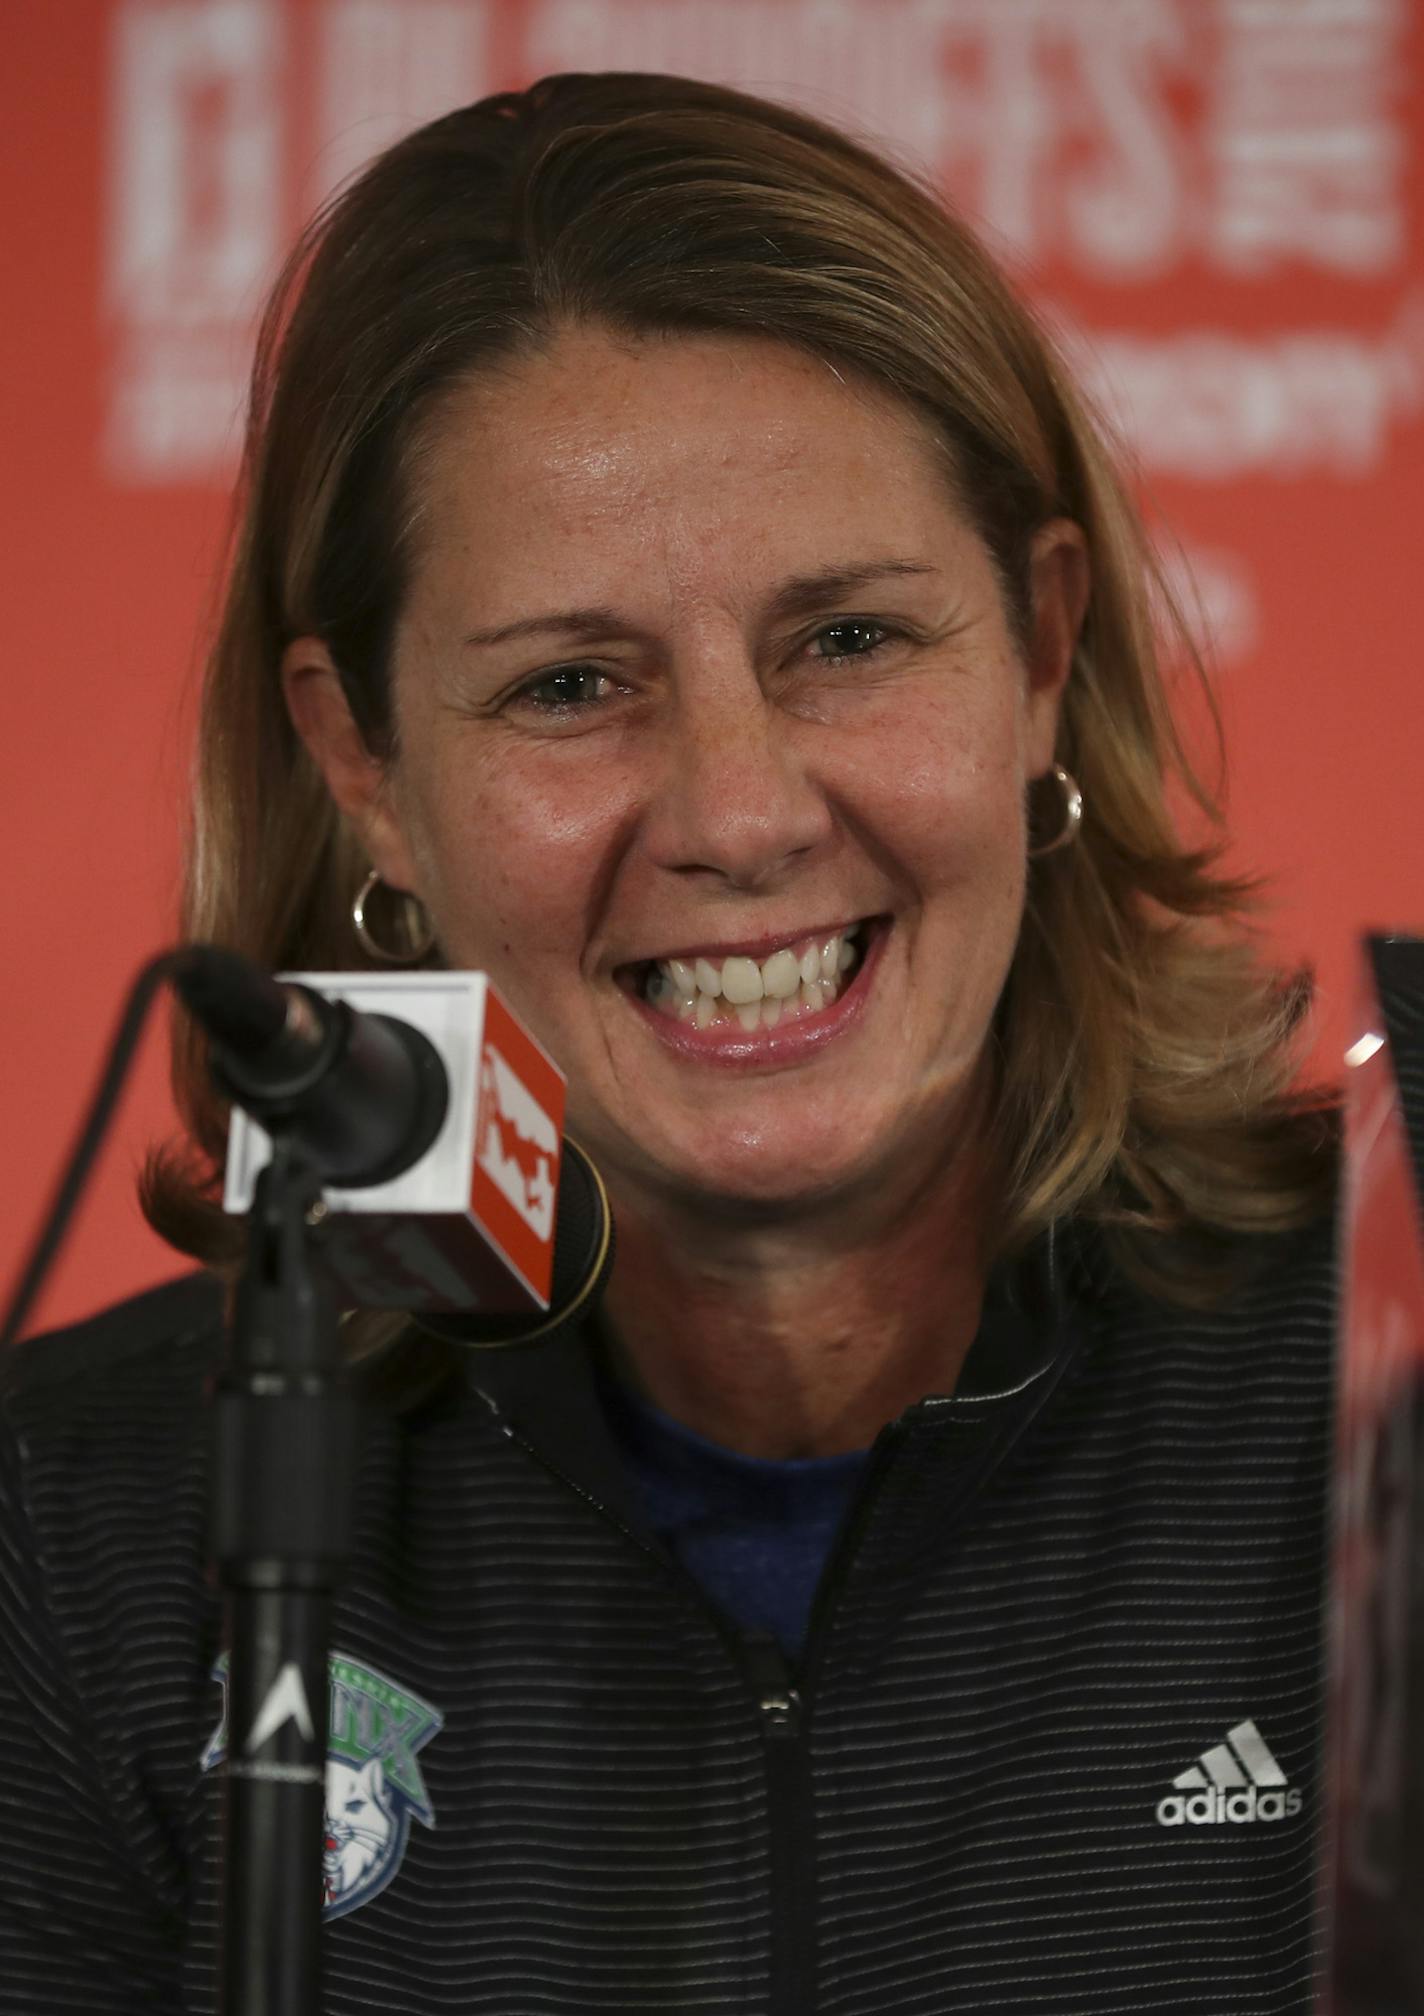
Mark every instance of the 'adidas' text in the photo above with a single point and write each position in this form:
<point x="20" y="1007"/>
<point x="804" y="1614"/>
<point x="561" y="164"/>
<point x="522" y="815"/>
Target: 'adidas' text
<point x="1214" y="1806"/>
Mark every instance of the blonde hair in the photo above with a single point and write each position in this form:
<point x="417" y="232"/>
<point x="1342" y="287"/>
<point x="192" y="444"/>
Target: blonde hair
<point x="1146" y="1059"/>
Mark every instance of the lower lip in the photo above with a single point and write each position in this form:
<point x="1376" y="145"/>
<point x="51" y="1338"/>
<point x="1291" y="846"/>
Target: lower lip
<point x="733" y="1046"/>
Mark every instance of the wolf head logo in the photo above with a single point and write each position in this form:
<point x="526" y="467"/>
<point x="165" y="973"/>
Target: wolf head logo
<point x="374" y="1787"/>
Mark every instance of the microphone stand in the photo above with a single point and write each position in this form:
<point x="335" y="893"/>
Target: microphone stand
<point x="282" y="1514"/>
<point x="284" y="1440"/>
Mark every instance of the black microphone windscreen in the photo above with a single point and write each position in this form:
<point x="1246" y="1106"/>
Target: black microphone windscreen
<point x="233" y="999"/>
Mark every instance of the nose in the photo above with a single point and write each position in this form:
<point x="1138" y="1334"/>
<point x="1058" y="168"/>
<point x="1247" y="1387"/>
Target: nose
<point x="736" y="798"/>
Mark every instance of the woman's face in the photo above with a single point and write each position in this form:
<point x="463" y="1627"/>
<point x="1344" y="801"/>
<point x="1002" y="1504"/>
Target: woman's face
<point x="703" y="677"/>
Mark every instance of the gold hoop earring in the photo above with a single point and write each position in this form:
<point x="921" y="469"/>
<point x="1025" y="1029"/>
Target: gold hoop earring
<point x="1072" y="815"/>
<point x="419" y="931"/>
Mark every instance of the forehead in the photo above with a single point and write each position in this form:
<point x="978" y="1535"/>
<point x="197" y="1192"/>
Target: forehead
<point x="703" y="454"/>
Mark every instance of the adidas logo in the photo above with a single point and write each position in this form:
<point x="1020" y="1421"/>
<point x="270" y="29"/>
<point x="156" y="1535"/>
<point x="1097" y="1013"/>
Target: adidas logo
<point x="1236" y="1781"/>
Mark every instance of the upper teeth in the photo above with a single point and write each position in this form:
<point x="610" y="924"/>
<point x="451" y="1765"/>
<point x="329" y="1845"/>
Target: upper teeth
<point x="741" y="981"/>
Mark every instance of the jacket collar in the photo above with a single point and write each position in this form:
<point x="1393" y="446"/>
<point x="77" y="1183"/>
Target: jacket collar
<point x="932" y="1462"/>
<point x="547" y="1395"/>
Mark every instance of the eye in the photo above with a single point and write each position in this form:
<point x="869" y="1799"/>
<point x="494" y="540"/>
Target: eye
<point x="851" y="637"/>
<point x="565" y="689"/>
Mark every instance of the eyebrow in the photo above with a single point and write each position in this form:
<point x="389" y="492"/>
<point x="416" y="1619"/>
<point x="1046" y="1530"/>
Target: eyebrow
<point x="803" y="595"/>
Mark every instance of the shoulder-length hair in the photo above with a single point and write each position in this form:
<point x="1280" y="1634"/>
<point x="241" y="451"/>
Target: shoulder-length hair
<point x="1146" y="1063"/>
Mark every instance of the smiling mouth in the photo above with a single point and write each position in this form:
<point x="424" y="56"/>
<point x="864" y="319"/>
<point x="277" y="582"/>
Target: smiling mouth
<point x="798" y="980"/>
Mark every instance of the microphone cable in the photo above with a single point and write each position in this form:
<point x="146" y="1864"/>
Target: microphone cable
<point x="93" y="1129"/>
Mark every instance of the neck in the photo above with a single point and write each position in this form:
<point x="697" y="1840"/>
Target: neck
<point x="801" y="1339"/>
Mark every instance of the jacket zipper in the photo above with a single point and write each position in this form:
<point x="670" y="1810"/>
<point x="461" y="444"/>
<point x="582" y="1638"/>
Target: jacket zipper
<point x="783" y="1711"/>
<point x="790" y="1827"/>
<point x="786" y="1708"/>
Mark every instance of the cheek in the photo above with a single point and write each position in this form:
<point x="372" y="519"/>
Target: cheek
<point x="519" y="842"/>
<point x="946" y="795"/>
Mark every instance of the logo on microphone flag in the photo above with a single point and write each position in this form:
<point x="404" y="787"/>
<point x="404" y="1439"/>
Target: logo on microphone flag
<point x="518" y="1141"/>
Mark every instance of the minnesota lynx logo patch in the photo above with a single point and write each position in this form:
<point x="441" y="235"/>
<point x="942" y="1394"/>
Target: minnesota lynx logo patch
<point x="373" y="1784"/>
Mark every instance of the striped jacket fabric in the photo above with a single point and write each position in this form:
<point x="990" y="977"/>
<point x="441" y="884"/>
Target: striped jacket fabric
<point x="1055" y="1744"/>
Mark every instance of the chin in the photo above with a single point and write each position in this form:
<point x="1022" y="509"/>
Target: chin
<point x="761" y="1181"/>
<point x="764" y="1201"/>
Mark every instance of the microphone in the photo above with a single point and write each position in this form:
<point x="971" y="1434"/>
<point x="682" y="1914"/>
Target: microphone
<point x="435" y="1123"/>
<point x="363" y="1095"/>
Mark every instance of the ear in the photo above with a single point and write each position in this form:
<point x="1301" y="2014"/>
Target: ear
<point x="358" y="780"/>
<point x="1059" y="580"/>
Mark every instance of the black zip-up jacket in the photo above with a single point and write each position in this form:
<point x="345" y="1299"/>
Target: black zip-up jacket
<point x="1054" y="1746"/>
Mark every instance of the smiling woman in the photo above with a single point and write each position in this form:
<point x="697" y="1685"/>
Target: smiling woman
<point x="674" y="564"/>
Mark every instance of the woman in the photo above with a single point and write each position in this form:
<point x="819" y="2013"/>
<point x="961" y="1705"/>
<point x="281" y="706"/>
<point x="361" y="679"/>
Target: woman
<point x="674" y="564"/>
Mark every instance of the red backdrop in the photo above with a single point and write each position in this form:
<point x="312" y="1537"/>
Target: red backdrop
<point x="1219" y="201"/>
